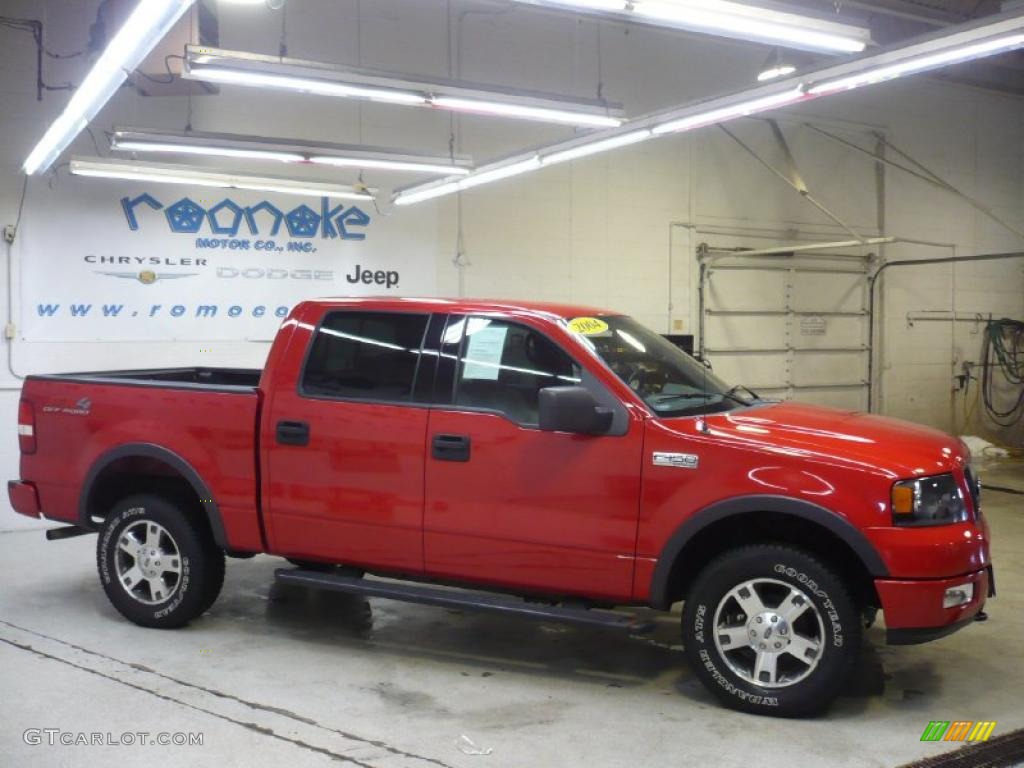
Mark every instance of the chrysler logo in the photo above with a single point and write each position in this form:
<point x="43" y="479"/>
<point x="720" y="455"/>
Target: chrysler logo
<point x="148" y="276"/>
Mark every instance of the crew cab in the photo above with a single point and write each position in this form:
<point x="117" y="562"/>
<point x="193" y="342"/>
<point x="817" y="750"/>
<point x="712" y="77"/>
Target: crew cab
<point x="548" y="460"/>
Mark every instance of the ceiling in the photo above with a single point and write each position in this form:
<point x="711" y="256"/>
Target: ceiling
<point x="891" y="21"/>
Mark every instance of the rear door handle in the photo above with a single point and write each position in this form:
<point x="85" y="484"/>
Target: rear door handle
<point x="293" y="433"/>
<point x="450" y="447"/>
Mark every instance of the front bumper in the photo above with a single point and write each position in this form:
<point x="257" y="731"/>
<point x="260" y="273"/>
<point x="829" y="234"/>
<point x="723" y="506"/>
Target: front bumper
<point x="24" y="498"/>
<point x="913" y="608"/>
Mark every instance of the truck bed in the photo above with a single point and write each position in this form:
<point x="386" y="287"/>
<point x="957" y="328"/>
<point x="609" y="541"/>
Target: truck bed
<point x="231" y="379"/>
<point x="199" y="422"/>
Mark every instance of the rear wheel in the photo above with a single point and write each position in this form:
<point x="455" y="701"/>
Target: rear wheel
<point x="158" y="565"/>
<point x="769" y="629"/>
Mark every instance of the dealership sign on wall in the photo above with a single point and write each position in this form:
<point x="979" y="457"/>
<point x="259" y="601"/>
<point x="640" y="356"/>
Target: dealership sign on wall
<point x="102" y="260"/>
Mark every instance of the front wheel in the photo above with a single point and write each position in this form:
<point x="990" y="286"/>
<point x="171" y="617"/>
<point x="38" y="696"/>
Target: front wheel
<point x="158" y="565"/>
<point x="771" y="630"/>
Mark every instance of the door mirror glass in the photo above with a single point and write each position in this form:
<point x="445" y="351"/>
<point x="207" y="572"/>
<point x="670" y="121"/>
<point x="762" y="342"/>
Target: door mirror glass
<point x="572" y="409"/>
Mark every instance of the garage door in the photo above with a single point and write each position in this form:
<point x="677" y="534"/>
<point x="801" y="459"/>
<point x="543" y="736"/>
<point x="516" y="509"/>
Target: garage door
<point x="789" y="327"/>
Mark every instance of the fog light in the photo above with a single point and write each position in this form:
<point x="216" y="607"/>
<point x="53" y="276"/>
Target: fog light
<point x="958" y="595"/>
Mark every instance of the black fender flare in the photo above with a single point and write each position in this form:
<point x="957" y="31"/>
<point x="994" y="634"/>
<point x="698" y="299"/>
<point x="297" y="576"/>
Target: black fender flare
<point x="152" y="451"/>
<point x="857" y="541"/>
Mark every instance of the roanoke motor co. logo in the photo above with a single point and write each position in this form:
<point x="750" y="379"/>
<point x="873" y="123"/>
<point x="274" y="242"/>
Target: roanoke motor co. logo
<point x="227" y="218"/>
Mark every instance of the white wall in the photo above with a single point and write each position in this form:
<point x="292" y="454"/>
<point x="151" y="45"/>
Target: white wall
<point x="599" y="230"/>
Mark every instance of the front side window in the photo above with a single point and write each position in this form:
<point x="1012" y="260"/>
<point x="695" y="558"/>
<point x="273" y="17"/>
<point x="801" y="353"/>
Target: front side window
<point x="365" y="356"/>
<point x="504" y="365"/>
<point x="668" y="380"/>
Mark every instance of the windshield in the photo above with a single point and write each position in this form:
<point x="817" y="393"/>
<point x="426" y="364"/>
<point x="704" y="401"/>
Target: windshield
<point x="668" y="380"/>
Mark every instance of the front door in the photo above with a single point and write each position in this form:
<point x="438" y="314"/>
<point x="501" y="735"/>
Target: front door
<point x="508" y="504"/>
<point x="345" y="445"/>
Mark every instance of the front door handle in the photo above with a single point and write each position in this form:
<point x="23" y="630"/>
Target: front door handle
<point x="293" y="433"/>
<point x="450" y="447"/>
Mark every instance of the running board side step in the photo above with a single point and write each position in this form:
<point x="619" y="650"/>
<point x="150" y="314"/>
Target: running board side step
<point x="451" y="598"/>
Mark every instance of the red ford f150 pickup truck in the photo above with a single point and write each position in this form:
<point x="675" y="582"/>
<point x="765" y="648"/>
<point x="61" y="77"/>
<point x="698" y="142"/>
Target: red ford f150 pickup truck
<point x="552" y="461"/>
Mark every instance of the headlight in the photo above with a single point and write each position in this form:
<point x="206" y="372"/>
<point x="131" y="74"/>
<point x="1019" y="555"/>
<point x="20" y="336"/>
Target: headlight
<point x="933" y="500"/>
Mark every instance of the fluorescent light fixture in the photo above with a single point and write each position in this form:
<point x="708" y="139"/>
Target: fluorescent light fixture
<point x="773" y="73"/>
<point x="254" y="70"/>
<point x="388" y="165"/>
<point x="924" y="63"/>
<point x="593" y="147"/>
<point x="750" y="23"/>
<point x="778" y="64"/>
<point x="143" y="29"/>
<point x="487" y="175"/>
<point x="106" y="168"/>
<point x="729" y="19"/>
<point x="192" y="149"/>
<point x="525" y="112"/>
<point x="306" y="85"/>
<point x="730" y="112"/>
<point x="285" y="150"/>
<point x="421" y="195"/>
<point x="584" y="147"/>
<point x="986" y="37"/>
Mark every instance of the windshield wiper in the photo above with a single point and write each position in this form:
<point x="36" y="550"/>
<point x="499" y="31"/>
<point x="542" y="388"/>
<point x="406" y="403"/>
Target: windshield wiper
<point x="731" y="393"/>
<point x="662" y="399"/>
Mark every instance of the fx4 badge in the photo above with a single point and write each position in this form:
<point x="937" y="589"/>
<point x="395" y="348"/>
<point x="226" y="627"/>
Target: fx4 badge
<point x="680" y="460"/>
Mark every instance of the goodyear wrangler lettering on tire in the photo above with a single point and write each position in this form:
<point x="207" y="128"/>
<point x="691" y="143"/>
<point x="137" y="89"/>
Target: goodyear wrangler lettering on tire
<point x="770" y="629"/>
<point x="833" y="615"/>
<point x="698" y="624"/>
<point x="768" y="701"/>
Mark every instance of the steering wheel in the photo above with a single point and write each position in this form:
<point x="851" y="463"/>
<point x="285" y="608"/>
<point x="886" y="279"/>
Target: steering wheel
<point x="645" y="382"/>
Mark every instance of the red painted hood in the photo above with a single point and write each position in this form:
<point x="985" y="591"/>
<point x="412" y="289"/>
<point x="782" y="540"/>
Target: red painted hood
<point x="893" y="446"/>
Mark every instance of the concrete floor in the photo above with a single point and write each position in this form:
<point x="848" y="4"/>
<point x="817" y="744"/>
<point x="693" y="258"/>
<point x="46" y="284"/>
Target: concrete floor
<point x="285" y="677"/>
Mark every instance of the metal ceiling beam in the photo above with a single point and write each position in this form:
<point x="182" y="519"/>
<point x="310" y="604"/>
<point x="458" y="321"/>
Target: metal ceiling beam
<point x="797" y="184"/>
<point x="922" y="173"/>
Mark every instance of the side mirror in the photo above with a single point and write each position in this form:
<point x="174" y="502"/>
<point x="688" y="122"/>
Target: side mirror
<point x="572" y="409"/>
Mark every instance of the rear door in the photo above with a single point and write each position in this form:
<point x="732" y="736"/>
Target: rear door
<point x="345" y="453"/>
<point x="508" y="504"/>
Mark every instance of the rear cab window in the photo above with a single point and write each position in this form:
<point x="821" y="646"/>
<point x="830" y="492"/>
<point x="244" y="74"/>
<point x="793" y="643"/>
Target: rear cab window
<point x="371" y="356"/>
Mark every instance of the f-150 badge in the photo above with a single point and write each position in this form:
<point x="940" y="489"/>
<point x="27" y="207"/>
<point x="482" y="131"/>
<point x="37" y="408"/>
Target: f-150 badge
<point x="680" y="460"/>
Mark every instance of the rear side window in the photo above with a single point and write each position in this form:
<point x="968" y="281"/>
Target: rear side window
<point x="504" y="366"/>
<point x="365" y="356"/>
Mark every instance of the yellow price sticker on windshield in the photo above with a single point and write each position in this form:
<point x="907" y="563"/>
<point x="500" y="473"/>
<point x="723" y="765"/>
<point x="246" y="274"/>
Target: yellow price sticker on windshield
<point x="588" y="326"/>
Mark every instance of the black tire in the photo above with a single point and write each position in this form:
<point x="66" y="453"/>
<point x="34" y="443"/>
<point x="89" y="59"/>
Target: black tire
<point x="190" y="582"/>
<point x="829" y="635"/>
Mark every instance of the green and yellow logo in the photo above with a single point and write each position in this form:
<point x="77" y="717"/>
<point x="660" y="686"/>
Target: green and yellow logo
<point x="958" y="730"/>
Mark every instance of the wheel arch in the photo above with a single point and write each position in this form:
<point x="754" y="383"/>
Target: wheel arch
<point x="763" y="519"/>
<point x="150" y="468"/>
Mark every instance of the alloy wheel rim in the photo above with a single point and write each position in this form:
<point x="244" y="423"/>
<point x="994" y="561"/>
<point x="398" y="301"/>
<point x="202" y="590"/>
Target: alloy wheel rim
<point x="770" y="633"/>
<point x="148" y="562"/>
